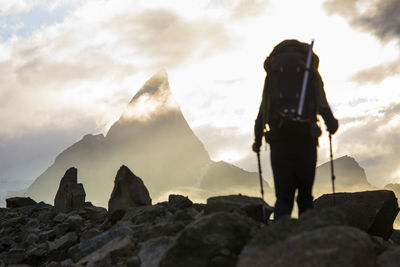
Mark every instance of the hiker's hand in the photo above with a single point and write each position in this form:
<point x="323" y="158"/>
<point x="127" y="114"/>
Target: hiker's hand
<point x="332" y="125"/>
<point x="256" y="147"/>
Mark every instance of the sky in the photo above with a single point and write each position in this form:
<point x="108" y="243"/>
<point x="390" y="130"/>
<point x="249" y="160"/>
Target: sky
<point x="69" y="68"/>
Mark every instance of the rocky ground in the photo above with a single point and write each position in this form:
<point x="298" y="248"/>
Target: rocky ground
<point x="226" y="231"/>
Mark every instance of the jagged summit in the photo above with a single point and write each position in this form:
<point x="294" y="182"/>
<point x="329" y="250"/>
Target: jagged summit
<point x="154" y="98"/>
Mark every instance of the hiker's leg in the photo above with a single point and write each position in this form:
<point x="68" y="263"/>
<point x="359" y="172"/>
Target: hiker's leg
<point x="282" y="168"/>
<point x="305" y="174"/>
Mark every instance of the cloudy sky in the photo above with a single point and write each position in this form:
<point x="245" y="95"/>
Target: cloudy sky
<point x="69" y="67"/>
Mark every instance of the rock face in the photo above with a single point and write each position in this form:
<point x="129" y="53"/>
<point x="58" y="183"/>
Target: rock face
<point x="371" y="211"/>
<point x="18" y="202"/>
<point x="151" y="137"/>
<point x="129" y="191"/>
<point x="347" y="171"/>
<point x="70" y="195"/>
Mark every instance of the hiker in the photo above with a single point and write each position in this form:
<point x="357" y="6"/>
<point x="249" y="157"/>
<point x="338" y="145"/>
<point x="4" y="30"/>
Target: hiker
<point x="292" y="135"/>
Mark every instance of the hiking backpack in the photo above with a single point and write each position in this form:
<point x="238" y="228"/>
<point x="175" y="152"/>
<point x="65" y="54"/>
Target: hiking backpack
<point x="285" y="67"/>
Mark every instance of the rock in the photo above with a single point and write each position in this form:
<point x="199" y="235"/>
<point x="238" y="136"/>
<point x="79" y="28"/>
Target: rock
<point x="61" y="229"/>
<point x="146" y="214"/>
<point x="250" y="206"/>
<point x="88" y="234"/>
<point x="86" y="247"/>
<point x="177" y="202"/>
<point x="96" y="215"/>
<point x="133" y="261"/>
<point x="37" y="254"/>
<point x="48" y="235"/>
<point x="371" y="211"/>
<point x="75" y="222"/>
<point x="325" y="247"/>
<point x="106" y="253"/>
<point x="60" y="217"/>
<point x="63" y="242"/>
<point x="12" y="222"/>
<point x="287" y="227"/>
<point x="185" y="215"/>
<point x="19" y="202"/>
<point x="32" y="238"/>
<point x="152" y="250"/>
<point x="390" y="258"/>
<point x="395" y="237"/>
<point x="129" y="191"/>
<point x="67" y="262"/>
<point x="216" y="237"/>
<point x="15" y="256"/>
<point x="70" y="195"/>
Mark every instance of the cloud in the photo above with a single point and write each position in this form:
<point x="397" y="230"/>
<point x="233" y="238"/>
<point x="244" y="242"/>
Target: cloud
<point x="168" y="39"/>
<point x="377" y="73"/>
<point x="373" y="141"/>
<point x="248" y="8"/>
<point x="240" y="9"/>
<point x="380" y="18"/>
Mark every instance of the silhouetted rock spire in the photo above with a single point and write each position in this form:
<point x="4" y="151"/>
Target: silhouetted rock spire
<point x="129" y="191"/>
<point x="70" y="195"/>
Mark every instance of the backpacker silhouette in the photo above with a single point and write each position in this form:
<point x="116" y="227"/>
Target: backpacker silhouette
<point x="293" y="96"/>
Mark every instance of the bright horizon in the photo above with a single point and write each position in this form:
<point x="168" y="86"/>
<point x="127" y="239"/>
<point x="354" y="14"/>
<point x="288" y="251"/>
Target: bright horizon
<point x="69" y="68"/>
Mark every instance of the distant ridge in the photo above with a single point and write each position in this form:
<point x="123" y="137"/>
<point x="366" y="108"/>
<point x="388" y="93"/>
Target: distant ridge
<point x="347" y="171"/>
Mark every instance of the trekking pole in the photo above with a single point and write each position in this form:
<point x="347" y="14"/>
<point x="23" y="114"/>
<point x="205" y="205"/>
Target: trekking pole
<point x="261" y="185"/>
<point x="305" y="80"/>
<point x="332" y="170"/>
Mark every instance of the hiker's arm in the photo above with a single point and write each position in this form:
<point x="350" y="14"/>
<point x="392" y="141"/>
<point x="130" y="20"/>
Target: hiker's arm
<point x="323" y="107"/>
<point x="258" y="129"/>
<point x="259" y="124"/>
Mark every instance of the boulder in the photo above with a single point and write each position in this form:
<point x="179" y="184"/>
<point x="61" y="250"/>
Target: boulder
<point x="107" y="254"/>
<point x="19" y="202"/>
<point x="63" y="242"/>
<point x="371" y="211"/>
<point x="177" y="202"/>
<point x="212" y="240"/>
<point x="70" y="195"/>
<point x="129" y="191"/>
<point x="250" y="206"/>
<point x="287" y="227"/>
<point x="153" y="249"/>
<point x="86" y="247"/>
<point x="329" y="246"/>
<point x="146" y="214"/>
<point x="390" y="258"/>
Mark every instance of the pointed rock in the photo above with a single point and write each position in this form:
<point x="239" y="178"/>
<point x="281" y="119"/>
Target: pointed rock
<point x="129" y="191"/>
<point x="70" y="195"/>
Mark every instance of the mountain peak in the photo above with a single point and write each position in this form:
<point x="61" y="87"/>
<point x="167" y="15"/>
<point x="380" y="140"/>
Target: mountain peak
<point x="154" y="98"/>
